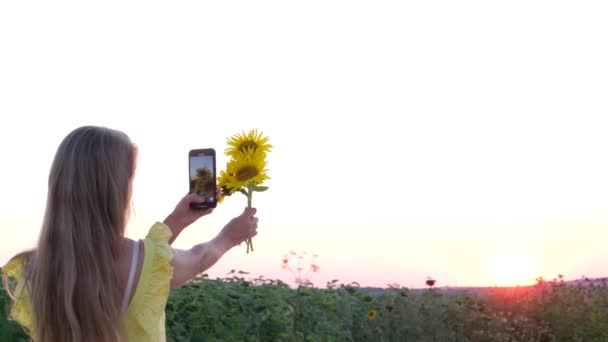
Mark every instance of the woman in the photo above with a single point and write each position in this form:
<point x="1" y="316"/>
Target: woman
<point x="86" y="281"/>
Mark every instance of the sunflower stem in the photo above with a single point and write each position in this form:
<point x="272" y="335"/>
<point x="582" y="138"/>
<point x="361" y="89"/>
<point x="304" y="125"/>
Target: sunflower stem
<point x="249" y="193"/>
<point x="249" y="196"/>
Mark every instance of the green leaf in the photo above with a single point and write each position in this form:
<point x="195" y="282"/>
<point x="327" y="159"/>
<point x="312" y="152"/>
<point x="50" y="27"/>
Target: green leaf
<point x="259" y="188"/>
<point x="244" y="192"/>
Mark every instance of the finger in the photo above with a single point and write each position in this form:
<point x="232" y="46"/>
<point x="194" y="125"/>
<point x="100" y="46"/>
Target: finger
<point x="193" y="197"/>
<point x="249" y="211"/>
<point x="206" y="211"/>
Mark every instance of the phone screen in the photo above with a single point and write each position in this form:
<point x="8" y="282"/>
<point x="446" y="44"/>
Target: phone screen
<point x="202" y="177"/>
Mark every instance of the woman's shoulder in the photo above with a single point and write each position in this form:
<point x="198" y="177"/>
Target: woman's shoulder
<point x="160" y="233"/>
<point x="17" y="265"/>
<point x="157" y="256"/>
<point x="15" y="270"/>
<point x="147" y="308"/>
<point x="156" y="272"/>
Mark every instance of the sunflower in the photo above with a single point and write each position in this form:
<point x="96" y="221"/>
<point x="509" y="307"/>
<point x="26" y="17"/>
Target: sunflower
<point x="246" y="169"/>
<point x="222" y="183"/>
<point x="240" y="143"/>
<point x="371" y="314"/>
<point x="250" y="167"/>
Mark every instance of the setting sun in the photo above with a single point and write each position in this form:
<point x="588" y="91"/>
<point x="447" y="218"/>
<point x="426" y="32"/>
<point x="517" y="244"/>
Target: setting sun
<point x="512" y="270"/>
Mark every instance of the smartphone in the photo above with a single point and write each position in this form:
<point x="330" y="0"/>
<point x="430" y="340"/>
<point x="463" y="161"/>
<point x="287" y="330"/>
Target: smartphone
<point x="203" y="180"/>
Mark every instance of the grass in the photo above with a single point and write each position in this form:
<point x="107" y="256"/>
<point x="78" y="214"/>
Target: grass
<point x="239" y="309"/>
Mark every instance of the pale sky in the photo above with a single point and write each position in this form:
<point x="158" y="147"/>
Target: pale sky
<point x="462" y="140"/>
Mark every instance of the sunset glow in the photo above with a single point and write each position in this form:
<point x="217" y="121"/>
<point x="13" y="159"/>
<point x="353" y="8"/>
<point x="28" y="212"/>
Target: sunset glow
<point x="512" y="270"/>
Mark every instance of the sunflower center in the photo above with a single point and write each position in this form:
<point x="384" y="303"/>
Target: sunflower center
<point x="246" y="173"/>
<point x="249" y="144"/>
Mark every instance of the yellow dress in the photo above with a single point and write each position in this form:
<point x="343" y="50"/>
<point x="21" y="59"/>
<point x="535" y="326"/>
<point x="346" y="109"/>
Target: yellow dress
<point x="144" y="319"/>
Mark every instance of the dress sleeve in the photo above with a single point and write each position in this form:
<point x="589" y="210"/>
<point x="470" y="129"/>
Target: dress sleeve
<point x="21" y="310"/>
<point x="160" y="270"/>
<point x="150" y="299"/>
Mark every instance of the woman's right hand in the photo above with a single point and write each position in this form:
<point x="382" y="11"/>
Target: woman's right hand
<point x="183" y="216"/>
<point x="240" y="228"/>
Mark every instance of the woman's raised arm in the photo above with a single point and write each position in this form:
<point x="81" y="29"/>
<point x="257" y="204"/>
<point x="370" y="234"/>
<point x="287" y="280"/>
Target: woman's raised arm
<point x="187" y="264"/>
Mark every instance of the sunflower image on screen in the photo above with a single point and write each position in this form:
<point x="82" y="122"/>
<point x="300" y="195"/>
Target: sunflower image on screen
<point x="203" y="183"/>
<point x="202" y="177"/>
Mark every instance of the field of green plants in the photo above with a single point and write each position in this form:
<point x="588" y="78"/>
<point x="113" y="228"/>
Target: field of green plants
<point x="239" y="309"/>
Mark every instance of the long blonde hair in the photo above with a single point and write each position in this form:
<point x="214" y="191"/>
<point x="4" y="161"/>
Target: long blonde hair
<point x="71" y="275"/>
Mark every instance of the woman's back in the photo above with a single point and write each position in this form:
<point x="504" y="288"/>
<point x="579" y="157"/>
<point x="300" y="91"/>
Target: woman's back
<point x="144" y="318"/>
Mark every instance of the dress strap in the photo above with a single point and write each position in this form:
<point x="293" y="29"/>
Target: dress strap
<point x="132" y="271"/>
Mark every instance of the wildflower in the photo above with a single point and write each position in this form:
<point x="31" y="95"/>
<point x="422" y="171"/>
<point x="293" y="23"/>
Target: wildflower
<point x="371" y="314"/>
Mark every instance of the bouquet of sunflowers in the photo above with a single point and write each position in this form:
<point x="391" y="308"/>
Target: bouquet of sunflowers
<point x="246" y="169"/>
